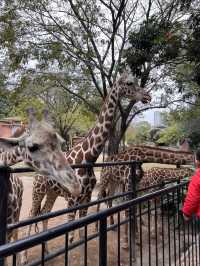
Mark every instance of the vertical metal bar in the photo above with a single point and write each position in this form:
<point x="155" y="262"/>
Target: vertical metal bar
<point x="85" y="253"/>
<point x="188" y="238"/>
<point x="14" y="262"/>
<point x="43" y="253"/>
<point x="66" y="248"/>
<point x="149" y="231"/>
<point x="132" y="214"/>
<point x="103" y="242"/>
<point x="156" y="231"/>
<point x="168" y="226"/>
<point x="192" y="241"/>
<point x="178" y="221"/>
<point x="4" y="189"/>
<point x="163" y="232"/>
<point x="118" y="239"/>
<point x="195" y="237"/>
<point x="174" y="228"/>
<point x="141" y="253"/>
<point x="184" y="247"/>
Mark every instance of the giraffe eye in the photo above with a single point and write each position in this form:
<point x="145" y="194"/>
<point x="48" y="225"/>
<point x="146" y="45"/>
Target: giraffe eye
<point x="33" y="148"/>
<point x="129" y="83"/>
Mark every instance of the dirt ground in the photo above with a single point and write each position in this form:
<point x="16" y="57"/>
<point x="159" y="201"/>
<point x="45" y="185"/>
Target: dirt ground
<point x="74" y="256"/>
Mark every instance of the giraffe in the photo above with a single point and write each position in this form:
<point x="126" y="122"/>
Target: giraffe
<point x="40" y="149"/>
<point x="87" y="150"/>
<point x="112" y="176"/>
<point x="151" y="177"/>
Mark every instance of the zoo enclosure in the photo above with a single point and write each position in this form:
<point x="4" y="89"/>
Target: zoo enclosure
<point x="172" y="249"/>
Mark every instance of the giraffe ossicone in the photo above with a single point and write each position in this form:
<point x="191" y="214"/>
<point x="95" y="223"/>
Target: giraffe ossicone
<point x="40" y="148"/>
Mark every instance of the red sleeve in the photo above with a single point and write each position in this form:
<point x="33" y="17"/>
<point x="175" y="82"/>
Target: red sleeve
<point x="192" y="199"/>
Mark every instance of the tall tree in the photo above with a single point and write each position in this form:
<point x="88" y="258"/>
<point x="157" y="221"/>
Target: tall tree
<point x="85" y="41"/>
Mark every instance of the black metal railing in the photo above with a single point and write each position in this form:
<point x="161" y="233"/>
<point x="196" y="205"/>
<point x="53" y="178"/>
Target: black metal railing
<point x="156" y="235"/>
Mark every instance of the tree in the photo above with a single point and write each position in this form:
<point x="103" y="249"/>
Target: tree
<point x="85" y="41"/>
<point x="139" y="133"/>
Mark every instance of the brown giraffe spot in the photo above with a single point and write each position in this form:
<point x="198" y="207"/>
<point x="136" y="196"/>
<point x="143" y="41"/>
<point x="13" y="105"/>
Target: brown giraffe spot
<point x="91" y="141"/>
<point x="157" y="154"/>
<point x="149" y="153"/>
<point x="69" y="160"/>
<point x="96" y="130"/>
<point x="81" y="172"/>
<point x="102" y="129"/>
<point x="77" y="148"/>
<point x="85" y="145"/>
<point x="108" y="117"/>
<point x="126" y="157"/>
<point x="105" y="134"/>
<point x="110" y="105"/>
<point x="97" y="140"/>
<point x="107" y="125"/>
<point x="104" y="108"/>
<point x="93" y="182"/>
<point x="85" y="181"/>
<point x="101" y="119"/>
<point x="95" y="152"/>
<point x="73" y="154"/>
<point x="80" y="156"/>
<point x="43" y="187"/>
<point x="165" y="156"/>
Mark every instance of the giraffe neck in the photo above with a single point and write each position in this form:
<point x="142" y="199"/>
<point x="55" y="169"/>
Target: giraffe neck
<point x="158" y="155"/>
<point x="11" y="157"/>
<point x="149" y="154"/>
<point x="91" y="146"/>
<point x="155" y="175"/>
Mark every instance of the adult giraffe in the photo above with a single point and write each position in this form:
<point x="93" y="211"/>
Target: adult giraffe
<point x="87" y="150"/>
<point x="40" y="148"/>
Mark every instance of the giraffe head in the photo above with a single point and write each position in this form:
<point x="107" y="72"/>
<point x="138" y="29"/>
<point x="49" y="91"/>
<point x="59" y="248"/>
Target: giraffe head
<point x="41" y="149"/>
<point x="129" y="88"/>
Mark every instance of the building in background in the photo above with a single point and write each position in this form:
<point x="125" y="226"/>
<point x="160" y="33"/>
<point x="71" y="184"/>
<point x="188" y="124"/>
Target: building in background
<point x="9" y="126"/>
<point x="159" y="120"/>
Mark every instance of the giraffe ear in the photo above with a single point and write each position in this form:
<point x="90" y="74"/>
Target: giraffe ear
<point x="32" y="120"/>
<point x="8" y="143"/>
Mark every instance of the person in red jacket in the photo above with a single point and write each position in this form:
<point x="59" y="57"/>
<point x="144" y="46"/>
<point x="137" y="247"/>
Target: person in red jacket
<point x="192" y="201"/>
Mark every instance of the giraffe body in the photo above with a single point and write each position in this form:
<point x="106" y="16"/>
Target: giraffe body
<point x="37" y="149"/>
<point x="87" y="150"/>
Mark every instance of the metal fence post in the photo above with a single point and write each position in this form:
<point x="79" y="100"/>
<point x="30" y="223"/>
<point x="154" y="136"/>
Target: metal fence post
<point x="4" y="185"/>
<point x="103" y="242"/>
<point x="132" y="215"/>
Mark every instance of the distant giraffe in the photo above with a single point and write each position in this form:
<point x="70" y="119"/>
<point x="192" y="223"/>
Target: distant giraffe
<point x="112" y="176"/>
<point x="145" y="179"/>
<point x="87" y="150"/>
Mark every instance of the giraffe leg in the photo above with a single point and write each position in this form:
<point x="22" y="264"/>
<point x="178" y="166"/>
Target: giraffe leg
<point x="83" y="213"/>
<point x="15" y="238"/>
<point x="112" y="189"/>
<point x="71" y="217"/>
<point x="101" y="195"/>
<point x="48" y="206"/>
<point x="36" y="205"/>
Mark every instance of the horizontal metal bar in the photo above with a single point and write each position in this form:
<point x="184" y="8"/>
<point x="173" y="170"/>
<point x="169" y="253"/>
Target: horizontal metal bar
<point x="22" y="244"/>
<point x="75" y="166"/>
<point x="63" y="211"/>
<point x="53" y="214"/>
<point x="74" y="245"/>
